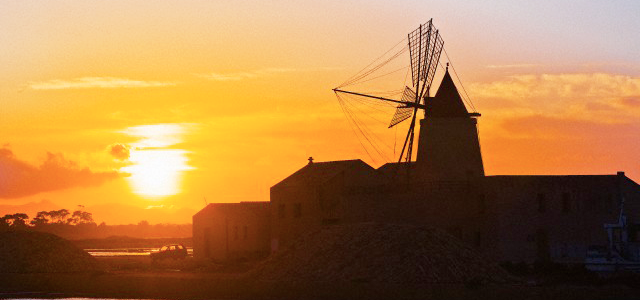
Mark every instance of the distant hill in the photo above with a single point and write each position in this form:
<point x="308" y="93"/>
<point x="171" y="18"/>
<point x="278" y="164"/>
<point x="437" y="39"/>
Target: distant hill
<point x="111" y="213"/>
<point x="115" y="213"/>
<point x="31" y="208"/>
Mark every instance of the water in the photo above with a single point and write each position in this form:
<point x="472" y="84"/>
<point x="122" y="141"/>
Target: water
<point x="126" y="252"/>
<point x="73" y="298"/>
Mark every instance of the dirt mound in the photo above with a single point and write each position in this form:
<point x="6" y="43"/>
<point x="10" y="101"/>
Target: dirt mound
<point x="39" y="252"/>
<point x="380" y="253"/>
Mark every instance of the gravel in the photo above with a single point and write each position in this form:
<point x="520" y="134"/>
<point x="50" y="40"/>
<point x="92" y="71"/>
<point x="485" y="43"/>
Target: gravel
<point x="39" y="252"/>
<point x="385" y="253"/>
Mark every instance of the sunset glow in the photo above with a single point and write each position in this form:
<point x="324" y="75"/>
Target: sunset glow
<point x="140" y="103"/>
<point x="156" y="171"/>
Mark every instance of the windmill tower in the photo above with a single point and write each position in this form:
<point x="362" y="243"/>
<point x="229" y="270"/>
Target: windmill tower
<point x="448" y="144"/>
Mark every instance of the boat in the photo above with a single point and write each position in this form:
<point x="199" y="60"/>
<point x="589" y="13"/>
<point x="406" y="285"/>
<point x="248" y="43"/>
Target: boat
<point x="622" y="253"/>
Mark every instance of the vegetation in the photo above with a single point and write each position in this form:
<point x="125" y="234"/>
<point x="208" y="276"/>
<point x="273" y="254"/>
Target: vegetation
<point x="79" y="224"/>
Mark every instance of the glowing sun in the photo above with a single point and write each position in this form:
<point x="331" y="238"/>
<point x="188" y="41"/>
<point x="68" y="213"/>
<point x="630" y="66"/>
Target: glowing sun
<point x="156" y="169"/>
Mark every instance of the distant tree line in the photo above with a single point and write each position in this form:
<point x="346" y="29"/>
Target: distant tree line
<point x="80" y="225"/>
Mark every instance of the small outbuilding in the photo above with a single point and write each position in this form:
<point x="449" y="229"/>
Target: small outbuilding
<point x="230" y="231"/>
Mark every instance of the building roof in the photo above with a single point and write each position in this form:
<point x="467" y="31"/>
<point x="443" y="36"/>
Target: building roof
<point x="610" y="178"/>
<point x="244" y="206"/>
<point x="447" y="102"/>
<point x="390" y="171"/>
<point x="318" y="172"/>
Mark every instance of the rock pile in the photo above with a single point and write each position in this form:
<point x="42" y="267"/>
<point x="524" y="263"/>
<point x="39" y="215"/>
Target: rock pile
<point x="380" y="253"/>
<point x="39" y="252"/>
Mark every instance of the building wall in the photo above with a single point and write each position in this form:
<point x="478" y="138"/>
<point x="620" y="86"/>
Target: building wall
<point x="294" y="210"/>
<point x="553" y="217"/>
<point x="451" y="205"/>
<point x="306" y="205"/>
<point x="507" y="218"/>
<point x="449" y="148"/>
<point x="224" y="231"/>
<point x="299" y="209"/>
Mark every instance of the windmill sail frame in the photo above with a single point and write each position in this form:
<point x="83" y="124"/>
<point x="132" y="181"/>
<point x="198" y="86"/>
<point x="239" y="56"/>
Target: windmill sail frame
<point x="403" y="111"/>
<point x="425" y="47"/>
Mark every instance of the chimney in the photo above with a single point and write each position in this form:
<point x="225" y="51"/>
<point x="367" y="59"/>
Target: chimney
<point x="310" y="160"/>
<point x="621" y="173"/>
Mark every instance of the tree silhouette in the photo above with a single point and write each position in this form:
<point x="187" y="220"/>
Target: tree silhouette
<point x="4" y="223"/>
<point x="41" y="219"/>
<point x="59" y="216"/>
<point x="80" y="217"/>
<point x="18" y="221"/>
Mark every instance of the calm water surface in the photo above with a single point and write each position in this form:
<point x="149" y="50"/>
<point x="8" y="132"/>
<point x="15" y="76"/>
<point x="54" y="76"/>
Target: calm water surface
<point x="126" y="252"/>
<point x="75" y="299"/>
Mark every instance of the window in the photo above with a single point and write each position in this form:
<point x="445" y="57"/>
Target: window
<point x="580" y="204"/>
<point x="564" y="250"/>
<point x="456" y="231"/>
<point x="608" y="203"/>
<point x="478" y="239"/>
<point x="531" y="238"/>
<point x="331" y="221"/>
<point x="566" y="203"/>
<point x="235" y="232"/>
<point x="481" y="204"/>
<point x="297" y="210"/>
<point x="542" y="203"/>
<point x="281" y="211"/>
<point x="245" y="232"/>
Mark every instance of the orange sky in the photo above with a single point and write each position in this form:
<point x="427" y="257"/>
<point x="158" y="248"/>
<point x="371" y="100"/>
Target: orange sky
<point x="216" y="99"/>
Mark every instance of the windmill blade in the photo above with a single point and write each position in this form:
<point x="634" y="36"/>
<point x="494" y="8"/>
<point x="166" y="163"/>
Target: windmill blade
<point x="436" y="49"/>
<point x="425" y="46"/>
<point x="403" y="112"/>
<point x="418" y="44"/>
<point x="408" y="95"/>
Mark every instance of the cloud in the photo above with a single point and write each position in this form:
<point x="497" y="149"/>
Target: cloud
<point x="119" y="151"/>
<point x="633" y="102"/>
<point x="542" y="144"/>
<point x="161" y="206"/>
<point x="20" y="179"/>
<point x="550" y="127"/>
<point x="581" y="85"/>
<point x="96" y="82"/>
<point x="513" y="66"/>
<point x="245" y="75"/>
<point x="599" y="97"/>
<point x="551" y="123"/>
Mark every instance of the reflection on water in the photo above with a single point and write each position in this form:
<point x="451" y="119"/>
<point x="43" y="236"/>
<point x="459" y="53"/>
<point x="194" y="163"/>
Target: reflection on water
<point x="126" y="252"/>
<point x="53" y="295"/>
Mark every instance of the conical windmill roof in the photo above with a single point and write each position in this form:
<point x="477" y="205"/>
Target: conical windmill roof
<point x="447" y="102"/>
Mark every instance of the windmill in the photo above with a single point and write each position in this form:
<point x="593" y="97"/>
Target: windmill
<point x="425" y="46"/>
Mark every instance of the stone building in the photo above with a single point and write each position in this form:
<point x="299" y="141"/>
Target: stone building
<point x="230" y="231"/>
<point x="554" y="217"/>
<point x="509" y="218"/>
